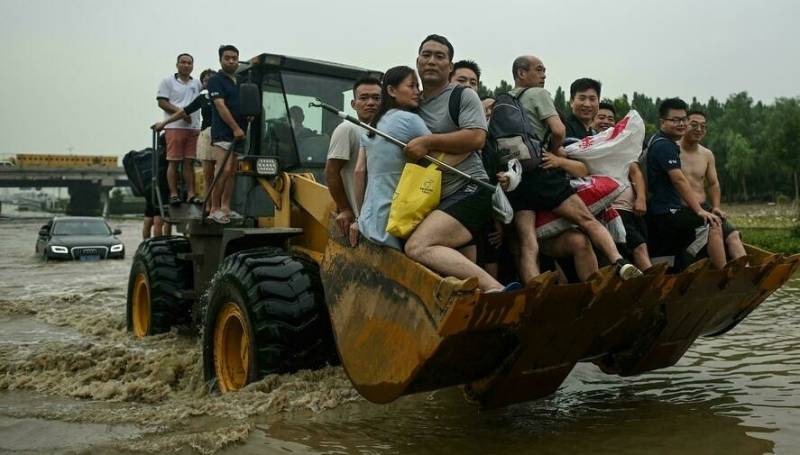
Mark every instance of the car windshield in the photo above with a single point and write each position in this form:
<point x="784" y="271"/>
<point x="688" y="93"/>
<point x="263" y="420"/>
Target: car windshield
<point x="81" y="227"/>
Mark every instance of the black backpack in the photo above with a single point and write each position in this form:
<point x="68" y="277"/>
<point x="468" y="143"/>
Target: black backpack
<point x="510" y="135"/>
<point x="138" y="166"/>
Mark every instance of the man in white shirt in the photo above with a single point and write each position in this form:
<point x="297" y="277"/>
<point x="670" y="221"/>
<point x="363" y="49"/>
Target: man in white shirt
<point x="176" y="92"/>
<point x="343" y="151"/>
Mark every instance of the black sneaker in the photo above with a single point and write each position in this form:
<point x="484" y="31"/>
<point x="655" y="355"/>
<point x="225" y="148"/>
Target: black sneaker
<point x="627" y="271"/>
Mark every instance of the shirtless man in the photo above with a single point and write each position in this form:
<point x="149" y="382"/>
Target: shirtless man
<point x="697" y="164"/>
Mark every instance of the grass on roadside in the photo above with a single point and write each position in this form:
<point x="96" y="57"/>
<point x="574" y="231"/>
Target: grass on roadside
<point x="772" y="227"/>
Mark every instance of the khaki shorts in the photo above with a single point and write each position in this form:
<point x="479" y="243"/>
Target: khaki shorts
<point x="181" y="144"/>
<point x="225" y="145"/>
<point x="204" y="151"/>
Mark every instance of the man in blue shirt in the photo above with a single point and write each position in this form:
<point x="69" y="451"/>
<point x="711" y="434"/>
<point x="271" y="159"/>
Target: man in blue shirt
<point x="675" y="217"/>
<point x="227" y="130"/>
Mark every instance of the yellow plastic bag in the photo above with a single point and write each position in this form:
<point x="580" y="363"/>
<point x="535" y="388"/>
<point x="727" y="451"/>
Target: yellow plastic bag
<point x="416" y="195"/>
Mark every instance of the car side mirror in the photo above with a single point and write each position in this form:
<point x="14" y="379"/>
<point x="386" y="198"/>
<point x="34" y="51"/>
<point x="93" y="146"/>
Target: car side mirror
<point x="249" y="99"/>
<point x="43" y="232"/>
<point x="117" y="231"/>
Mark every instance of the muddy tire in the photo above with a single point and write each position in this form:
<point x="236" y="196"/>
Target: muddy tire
<point x="156" y="281"/>
<point x="265" y="314"/>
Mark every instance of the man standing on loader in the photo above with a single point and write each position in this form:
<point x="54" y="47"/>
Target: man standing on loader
<point x="227" y="131"/>
<point x="343" y="151"/>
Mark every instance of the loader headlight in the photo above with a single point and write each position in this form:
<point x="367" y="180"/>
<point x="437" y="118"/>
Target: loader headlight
<point x="59" y="249"/>
<point x="267" y="166"/>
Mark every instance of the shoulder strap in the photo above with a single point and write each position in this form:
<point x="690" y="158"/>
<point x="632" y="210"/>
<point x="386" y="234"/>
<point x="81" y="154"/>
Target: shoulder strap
<point x="455" y="103"/>
<point x="519" y="95"/>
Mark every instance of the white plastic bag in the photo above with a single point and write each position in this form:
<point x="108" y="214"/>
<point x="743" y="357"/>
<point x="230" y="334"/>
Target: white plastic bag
<point x="611" y="151"/>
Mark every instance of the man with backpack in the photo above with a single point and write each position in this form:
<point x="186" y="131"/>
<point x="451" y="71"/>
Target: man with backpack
<point x="545" y="184"/>
<point x="464" y="206"/>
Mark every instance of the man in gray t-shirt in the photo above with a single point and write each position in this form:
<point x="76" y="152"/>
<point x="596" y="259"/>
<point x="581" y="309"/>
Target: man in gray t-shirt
<point x="547" y="189"/>
<point x="465" y="207"/>
<point x="343" y="151"/>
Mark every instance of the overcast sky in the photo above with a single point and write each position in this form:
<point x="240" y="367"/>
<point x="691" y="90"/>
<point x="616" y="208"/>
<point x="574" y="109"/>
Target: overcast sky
<point x="81" y="75"/>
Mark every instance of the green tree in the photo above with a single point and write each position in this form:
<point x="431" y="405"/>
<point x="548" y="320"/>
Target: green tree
<point x="483" y="91"/>
<point x="783" y="139"/>
<point x="560" y="100"/>
<point x="503" y="87"/>
<point x="742" y="158"/>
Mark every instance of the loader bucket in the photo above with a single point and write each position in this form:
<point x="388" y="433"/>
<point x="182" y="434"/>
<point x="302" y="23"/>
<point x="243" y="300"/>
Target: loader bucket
<point x="400" y="328"/>
<point x="700" y="301"/>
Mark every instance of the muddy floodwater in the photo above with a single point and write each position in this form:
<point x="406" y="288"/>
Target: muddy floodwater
<point x="73" y="381"/>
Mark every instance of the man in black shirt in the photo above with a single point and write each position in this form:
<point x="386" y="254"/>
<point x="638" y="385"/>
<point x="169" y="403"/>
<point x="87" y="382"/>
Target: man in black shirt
<point x="584" y="100"/>
<point x="675" y="217"/>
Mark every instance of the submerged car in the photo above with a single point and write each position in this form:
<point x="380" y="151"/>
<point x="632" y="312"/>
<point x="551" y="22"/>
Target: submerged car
<point x="79" y="238"/>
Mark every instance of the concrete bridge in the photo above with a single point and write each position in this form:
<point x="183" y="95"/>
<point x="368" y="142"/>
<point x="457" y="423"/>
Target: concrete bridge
<point x="88" y="186"/>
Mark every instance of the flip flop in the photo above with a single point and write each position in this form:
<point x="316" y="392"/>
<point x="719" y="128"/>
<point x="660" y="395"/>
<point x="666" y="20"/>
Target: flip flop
<point x="234" y="215"/>
<point x="195" y="200"/>
<point x="219" y="217"/>
<point x="174" y="200"/>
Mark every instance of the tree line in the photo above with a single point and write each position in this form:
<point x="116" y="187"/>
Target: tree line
<point x="756" y="145"/>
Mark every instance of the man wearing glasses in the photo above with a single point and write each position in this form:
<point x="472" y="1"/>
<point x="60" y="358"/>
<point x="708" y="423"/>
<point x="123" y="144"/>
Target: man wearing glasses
<point x="343" y="151"/>
<point x="675" y="217"/>
<point x="698" y="165"/>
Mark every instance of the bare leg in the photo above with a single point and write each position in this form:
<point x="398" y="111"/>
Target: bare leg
<point x="433" y="244"/>
<point x="147" y="227"/>
<point x="216" y="194"/>
<point x="734" y="245"/>
<point x="188" y="177"/>
<point x="230" y="180"/>
<point x="172" y="178"/>
<point x="158" y="226"/>
<point x="641" y="257"/>
<point x="492" y="269"/>
<point x="575" y="210"/>
<point x="470" y="252"/>
<point x="208" y="175"/>
<point x="576" y="245"/>
<point x="525" y="222"/>
<point x="716" y="247"/>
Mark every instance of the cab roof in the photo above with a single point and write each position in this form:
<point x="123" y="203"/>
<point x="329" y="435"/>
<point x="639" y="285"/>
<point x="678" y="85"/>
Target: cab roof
<point x="306" y="65"/>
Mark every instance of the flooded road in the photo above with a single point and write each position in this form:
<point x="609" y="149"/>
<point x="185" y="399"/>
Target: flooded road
<point x="72" y="380"/>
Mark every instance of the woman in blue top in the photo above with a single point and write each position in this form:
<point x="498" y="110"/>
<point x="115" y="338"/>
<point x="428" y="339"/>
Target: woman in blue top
<point x="384" y="160"/>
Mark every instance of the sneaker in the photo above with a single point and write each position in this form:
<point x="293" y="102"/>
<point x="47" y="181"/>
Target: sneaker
<point x="627" y="271"/>
<point x="512" y="286"/>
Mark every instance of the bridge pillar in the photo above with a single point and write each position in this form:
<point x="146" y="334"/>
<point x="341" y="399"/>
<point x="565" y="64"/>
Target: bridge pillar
<point x="84" y="199"/>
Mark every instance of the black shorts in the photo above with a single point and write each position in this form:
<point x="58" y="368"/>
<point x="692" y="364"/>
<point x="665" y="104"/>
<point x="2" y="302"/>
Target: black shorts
<point x="635" y="229"/>
<point x="541" y="189"/>
<point x="727" y="227"/>
<point x="487" y="253"/>
<point x="471" y="206"/>
<point x="151" y="209"/>
<point x="672" y="233"/>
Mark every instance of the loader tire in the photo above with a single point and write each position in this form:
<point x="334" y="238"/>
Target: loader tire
<point x="156" y="280"/>
<point x="265" y="314"/>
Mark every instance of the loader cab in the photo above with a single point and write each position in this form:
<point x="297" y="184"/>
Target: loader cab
<point x="287" y="128"/>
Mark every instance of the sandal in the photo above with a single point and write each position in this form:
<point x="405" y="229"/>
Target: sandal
<point x="174" y="200"/>
<point x="195" y="200"/>
<point x="234" y="215"/>
<point x="219" y="217"/>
